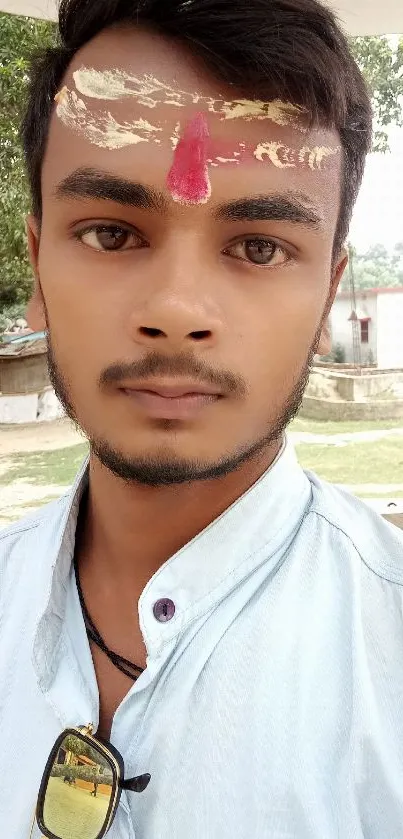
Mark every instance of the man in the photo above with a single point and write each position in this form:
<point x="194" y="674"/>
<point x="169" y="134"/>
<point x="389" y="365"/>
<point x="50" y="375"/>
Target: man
<point x="230" y="624"/>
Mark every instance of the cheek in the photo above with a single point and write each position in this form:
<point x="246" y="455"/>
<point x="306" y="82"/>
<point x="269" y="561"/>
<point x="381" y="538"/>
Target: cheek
<point x="60" y="276"/>
<point x="71" y="293"/>
<point x="76" y="320"/>
<point x="285" y="321"/>
<point x="276" y="342"/>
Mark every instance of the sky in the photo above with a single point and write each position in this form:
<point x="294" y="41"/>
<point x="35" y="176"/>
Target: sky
<point x="378" y="215"/>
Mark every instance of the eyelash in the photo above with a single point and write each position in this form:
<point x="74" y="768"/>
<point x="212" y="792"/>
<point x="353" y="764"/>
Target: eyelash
<point x="98" y="228"/>
<point x="120" y="228"/>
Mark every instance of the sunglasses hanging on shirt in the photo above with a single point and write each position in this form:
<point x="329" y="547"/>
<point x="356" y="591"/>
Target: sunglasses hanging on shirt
<point x="81" y="787"/>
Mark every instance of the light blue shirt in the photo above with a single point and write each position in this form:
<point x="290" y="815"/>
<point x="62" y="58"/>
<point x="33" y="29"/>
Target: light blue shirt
<point x="272" y="702"/>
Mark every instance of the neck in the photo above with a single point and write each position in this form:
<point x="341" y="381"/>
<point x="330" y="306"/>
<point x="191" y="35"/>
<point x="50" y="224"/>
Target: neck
<point x="129" y="530"/>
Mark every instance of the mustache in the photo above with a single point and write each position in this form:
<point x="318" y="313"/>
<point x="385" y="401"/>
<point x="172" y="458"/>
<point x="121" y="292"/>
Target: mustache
<point x="185" y="364"/>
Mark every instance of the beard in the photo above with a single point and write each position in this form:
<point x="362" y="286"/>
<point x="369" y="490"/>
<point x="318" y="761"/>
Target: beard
<point x="163" y="468"/>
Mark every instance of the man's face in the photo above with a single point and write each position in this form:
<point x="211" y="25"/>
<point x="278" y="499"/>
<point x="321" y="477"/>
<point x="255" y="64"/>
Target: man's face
<point x="184" y="304"/>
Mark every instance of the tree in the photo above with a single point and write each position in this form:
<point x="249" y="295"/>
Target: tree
<point x="76" y="745"/>
<point x="79" y="747"/>
<point x="381" y="62"/>
<point x="20" y="37"/>
<point x="376" y="268"/>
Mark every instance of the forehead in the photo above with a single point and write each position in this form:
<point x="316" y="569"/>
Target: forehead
<point x="128" y="97"/>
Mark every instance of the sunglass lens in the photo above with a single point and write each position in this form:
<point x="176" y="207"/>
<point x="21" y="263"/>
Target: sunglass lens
<point x="79" y="791"/>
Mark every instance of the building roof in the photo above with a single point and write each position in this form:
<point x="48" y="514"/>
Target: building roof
<point x="359" y="17"/>
<point x="34" y="344"/>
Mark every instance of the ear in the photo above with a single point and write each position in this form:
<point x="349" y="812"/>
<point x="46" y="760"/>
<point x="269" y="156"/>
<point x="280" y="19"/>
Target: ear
<point x="325" y="341"/>
<point x="35" y="312"/>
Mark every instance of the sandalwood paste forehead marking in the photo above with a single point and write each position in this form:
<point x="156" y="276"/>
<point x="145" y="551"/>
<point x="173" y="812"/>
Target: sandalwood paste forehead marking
<point x="150" y="92"/>
<point x="188" y="179"/>
<point x="102" y="129"/>
<point x="284" y="157"/>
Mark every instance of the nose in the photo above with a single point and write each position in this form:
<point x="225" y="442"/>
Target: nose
<point x="176" y="322"/>
<point x="179" y="310"/>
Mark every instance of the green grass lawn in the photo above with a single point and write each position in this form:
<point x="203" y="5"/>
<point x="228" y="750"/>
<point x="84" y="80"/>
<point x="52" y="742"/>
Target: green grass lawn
<point x="73" y="812"/>
<point x="379" y="462"/>
<point x="388" y="496"/>
<point x="356" y="463"/>
<point x="327" y="427"/>
<point x="48" y="467"/>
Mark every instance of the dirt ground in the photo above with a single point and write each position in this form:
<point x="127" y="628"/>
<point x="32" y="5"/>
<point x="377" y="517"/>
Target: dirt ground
<point x="62" y="433"/>
<point x="42" y="436"/>
<point x="20" y="498"/>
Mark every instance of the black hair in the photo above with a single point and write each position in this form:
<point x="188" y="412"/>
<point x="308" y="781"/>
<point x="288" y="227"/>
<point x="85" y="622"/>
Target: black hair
<point x="288" y="49"/>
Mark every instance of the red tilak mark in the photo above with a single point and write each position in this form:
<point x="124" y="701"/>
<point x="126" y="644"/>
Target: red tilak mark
<point x="188" y="179"/>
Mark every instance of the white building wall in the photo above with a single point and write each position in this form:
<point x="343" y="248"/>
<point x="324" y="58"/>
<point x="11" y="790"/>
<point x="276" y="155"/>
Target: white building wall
<point x="342" y="330"/>
<point x="390" y="330"/>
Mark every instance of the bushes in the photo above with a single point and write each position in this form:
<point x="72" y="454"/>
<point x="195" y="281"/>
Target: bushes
<point x="81" y="773"/>
<point x="339" y="354"/>
<point x="11" y="313"/>
<point x="19" y="38"/>
<point x="336" y="356"/>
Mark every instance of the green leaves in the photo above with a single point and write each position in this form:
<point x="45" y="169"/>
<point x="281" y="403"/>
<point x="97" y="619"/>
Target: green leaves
<point x="19" y="38"/>
<point x="381" y="61"/>
<point x="377" y="268"/>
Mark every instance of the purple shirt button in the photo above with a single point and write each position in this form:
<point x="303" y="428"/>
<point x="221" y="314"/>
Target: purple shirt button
<point x="164" y="610"/>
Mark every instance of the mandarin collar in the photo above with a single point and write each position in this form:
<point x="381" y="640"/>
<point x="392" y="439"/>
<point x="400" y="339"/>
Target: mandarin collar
<point x="249" y="533"/>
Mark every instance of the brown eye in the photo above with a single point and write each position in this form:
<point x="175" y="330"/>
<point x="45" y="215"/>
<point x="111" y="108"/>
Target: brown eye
<point x="258" y="252"/>
<point x="112" y="238"/>
<point x="109" y="238"/>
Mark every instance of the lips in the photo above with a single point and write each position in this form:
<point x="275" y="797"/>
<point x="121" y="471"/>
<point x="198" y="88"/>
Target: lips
<point x="174" y="390"/>
<point x="181" y="400"/>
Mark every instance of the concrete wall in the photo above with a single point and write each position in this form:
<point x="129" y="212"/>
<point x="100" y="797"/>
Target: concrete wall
<point x="23" y="375"/>
<point x="322" y="409"/>
<point x="323" y="385"/>
<point x="389" y="384"/>
<point x="390" y="330"/>
<point x="360" y="388"/>
<point x="18" y="409"/>
<point x="30" y="407"/>
<point x="345" y="367"/>
<point x="385" y="327"/>
<point x="342" y="330"/>
<point x="333" y="367"/>
<point x="334" y="385"/>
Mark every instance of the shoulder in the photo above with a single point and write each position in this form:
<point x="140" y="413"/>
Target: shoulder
<point x="42" y="532"/>
<point x="27" y="537"/>
<point x="352" y="522"/>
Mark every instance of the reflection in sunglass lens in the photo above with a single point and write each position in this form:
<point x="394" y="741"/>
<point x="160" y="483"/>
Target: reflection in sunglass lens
<point x="79" y="791"/>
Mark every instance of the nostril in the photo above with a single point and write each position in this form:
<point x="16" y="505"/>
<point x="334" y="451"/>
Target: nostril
<point x="152" y="332"/>
<point x="149" y="332"/>
<point x="201" y="335"/>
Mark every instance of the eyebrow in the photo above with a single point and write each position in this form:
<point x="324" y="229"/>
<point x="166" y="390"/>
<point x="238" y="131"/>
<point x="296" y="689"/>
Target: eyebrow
<point x="93" y="183"/>
<point x="292" y="207"/>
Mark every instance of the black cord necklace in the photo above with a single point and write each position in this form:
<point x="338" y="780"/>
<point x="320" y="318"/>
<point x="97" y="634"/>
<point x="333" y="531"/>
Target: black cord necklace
<point x="133" y="671"/>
